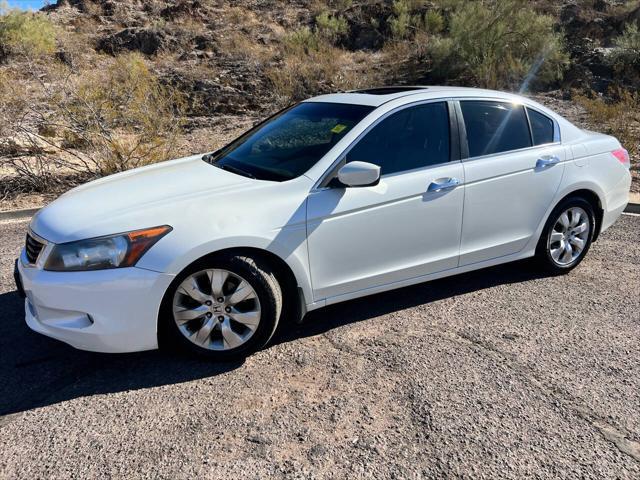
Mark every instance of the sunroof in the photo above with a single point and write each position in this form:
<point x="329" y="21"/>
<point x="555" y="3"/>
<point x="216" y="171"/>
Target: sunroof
<point x="387" y="90"/>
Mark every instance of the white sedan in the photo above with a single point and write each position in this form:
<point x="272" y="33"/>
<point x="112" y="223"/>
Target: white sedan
<point x="337" y="197"/>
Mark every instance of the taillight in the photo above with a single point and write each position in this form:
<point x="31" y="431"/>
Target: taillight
<point x="622" y="155"/>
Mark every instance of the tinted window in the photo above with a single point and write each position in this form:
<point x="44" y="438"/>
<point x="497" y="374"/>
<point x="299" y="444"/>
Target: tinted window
<point x="494" y="127"/>
<point x="541" y="127"/>
<point x="290" y="143"/>
<point x="412" y="138"/>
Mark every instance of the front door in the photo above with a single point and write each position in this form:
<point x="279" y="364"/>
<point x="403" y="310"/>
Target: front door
<point x="404" y="227"/>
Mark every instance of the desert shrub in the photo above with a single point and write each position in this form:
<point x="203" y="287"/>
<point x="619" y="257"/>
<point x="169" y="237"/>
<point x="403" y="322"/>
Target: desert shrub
<point x="106" y="120"/>
<point x="401" y="20"/>
<point x="23" y="166"/>
<point x="408" y="19"/>
<point x="625" y="56"/>
<point x="340" y="5"/>
<point x="300" y="41"/>
<point x="329" y="69"/>
<point x="503" y="44"/>
<point x="123" y="115"/>
<point x="617" y="114"/>
<point x="26" y="33"/>
<point x="328" y="30"/>
<point x="433" y="21"/>
<point x="300" y="76"/>
<point x="240" y="45"/>
<point x="331" y="28"/>
<point x="14" y="100"/>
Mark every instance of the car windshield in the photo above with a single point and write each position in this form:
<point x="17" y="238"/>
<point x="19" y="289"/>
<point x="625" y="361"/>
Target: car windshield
<point x="291" y="142"/>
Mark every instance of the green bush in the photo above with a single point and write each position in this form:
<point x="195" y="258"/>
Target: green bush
<point x="328" y="30"/>
<point x="26" y="33"/>
<point x="301" y="41"/>
<point x="433" y="21"/>
<point x="401" y="20"/>
<point x="502" y="44"/>
<point x="331" y="28"/>
<point x="625" y="56"/>
<point x="407" y="20"/>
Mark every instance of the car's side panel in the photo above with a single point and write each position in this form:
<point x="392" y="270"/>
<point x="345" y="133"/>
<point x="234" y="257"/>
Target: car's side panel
<point x="365" y="237"/>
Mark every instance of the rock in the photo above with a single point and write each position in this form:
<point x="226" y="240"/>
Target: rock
<point x="65" y="57"/>
<point x="135" y="39"/>
<point x="182" y="8"/>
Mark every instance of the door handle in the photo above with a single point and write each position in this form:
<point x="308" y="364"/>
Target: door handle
<point x="547" y="161"/>
<point x="442" y="184"/>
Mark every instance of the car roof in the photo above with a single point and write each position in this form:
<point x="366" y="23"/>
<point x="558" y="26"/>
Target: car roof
<point x="375" y="97"/>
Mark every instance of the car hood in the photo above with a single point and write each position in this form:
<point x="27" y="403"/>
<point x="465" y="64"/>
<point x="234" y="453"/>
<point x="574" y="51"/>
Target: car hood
<point x="140" y="198"/>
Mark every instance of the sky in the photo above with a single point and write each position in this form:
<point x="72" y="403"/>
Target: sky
<point x="27" y="4"/>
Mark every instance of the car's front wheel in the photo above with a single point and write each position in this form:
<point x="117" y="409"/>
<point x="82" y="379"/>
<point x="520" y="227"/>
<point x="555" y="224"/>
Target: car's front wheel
<point x="224" y="308"/>
<point x="567" y="235"/>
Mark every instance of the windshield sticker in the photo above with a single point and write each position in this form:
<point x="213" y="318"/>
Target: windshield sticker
<point x="338" y="128"/>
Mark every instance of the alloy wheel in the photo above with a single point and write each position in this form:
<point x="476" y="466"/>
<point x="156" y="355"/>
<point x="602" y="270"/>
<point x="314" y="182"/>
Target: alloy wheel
<point x="216" y="309"/>
<point x="569" y="236"/>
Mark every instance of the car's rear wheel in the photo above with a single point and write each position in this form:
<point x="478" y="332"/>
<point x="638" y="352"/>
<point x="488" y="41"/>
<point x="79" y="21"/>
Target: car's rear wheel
<point x="225" y="308"/>
<point x="567" y="235"/>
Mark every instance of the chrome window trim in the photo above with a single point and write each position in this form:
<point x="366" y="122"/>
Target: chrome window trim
<point x="556" y="127"/>
<point x="331" y="171"/>
<point x="509" y="152"/>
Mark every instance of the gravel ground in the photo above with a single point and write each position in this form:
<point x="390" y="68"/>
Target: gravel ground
<point x="493" y="374"/>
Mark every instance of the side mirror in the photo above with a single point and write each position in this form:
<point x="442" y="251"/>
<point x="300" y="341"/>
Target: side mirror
<point x="359" y="174"/>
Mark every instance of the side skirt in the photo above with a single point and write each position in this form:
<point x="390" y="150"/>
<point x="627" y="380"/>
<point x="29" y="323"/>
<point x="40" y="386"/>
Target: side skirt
<point x="421" y="279"/>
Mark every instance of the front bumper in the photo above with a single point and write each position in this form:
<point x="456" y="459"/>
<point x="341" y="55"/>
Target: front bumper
<point x="102" y="311"/>
<point x="18" y="280"/>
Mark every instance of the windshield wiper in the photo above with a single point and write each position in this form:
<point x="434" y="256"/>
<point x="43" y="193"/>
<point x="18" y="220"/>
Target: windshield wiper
<point x="235" y="170"/>
<point x="229" y="168"/>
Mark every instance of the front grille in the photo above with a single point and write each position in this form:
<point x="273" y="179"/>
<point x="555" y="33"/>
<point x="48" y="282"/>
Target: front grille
<point x="33" y="248"/>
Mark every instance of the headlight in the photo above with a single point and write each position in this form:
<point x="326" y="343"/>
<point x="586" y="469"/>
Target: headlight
<point x="112" y="251"/>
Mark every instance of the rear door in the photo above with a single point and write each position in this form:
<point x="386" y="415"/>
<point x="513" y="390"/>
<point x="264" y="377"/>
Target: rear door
<point x="512" y="174"/>
<point x="366" y="237"/>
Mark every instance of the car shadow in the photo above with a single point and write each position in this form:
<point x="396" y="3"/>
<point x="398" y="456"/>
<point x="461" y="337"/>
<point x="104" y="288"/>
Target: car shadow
<point x="327" y="318"/>
<point x="38" y="371"/>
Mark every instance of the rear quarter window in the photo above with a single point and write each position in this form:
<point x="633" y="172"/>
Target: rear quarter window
<point x="541" y="127"/>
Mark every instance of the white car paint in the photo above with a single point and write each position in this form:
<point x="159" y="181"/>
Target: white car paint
<point x="339" y="243"/>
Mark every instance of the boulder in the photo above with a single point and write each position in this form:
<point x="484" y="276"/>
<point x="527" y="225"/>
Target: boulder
<point x="134" y="39"/>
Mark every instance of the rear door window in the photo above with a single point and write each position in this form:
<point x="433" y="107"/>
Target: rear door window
<point x="494" y="127"/>
<point x="541" y="127"/>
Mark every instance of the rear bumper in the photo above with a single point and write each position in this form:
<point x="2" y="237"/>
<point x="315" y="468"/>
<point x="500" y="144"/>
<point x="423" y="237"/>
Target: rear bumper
<point x="617" y="200"/>
<point x="103" y="311"/>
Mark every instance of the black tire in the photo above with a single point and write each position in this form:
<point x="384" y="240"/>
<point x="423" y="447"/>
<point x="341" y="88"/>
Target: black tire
<point x="543" y="255"/>
<point x="262" y="280"/>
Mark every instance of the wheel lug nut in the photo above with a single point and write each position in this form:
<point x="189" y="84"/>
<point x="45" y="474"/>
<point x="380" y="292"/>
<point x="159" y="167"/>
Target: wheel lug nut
<point x="228" y="309"/>
<point x="209" y="315"/>
<point x="220" y="299"/>
<point x="208" y="303"/>
<point x="220" y="318"/>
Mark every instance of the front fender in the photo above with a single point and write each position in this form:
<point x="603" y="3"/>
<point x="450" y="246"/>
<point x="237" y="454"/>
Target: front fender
<point x="289" y="244"/>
